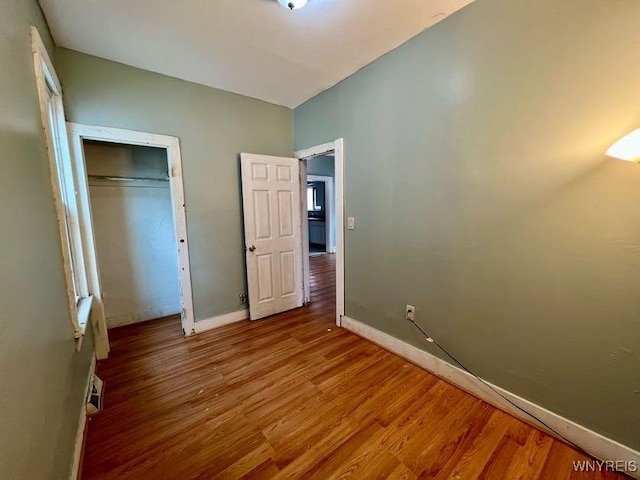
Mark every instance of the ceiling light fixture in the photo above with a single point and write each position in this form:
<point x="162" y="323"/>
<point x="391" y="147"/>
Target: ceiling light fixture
<point x="292" y="4"/>
<point x="627" y="148"/>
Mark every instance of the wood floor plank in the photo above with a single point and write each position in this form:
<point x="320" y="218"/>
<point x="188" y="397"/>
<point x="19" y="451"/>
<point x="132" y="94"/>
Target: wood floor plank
<point x="499" y="462"/>
<point x="336" y="450"/>
<point x="479" y="453"/>
<point x="528" y="463"/>
<point x="255" y="460"/>
<point x="430" y="446"/>
<point x="294" y="397"/>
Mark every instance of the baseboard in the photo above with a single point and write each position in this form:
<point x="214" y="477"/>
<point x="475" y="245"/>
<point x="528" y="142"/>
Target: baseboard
<point x="220" y="321"/>
<point x="596" y="444"/>
<point x="82" y="426"/>
<point x="146" y="315"/>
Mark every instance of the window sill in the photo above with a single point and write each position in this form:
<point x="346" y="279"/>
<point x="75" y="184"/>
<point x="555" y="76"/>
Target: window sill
<point x="84" y="312"/>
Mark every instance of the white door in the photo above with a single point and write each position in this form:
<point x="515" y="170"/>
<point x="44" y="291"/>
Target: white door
<point x="273" y="233"/>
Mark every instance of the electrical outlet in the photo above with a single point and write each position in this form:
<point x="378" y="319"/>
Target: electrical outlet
<point x="410" y="312"/>
<point x="243" y="298"/>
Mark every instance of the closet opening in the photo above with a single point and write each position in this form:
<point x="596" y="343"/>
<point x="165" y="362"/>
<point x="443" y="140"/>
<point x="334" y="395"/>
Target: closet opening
<point x="135" y="239"/>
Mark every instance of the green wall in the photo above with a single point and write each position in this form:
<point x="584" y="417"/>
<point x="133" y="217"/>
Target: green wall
<point x="43" y="377"/>
<point x="324" y="166"/>
<point x="214" y="127"/>
<point x="475" y="169"/>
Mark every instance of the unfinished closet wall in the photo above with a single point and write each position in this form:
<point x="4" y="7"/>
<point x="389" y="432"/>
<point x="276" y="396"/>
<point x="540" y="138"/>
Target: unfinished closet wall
<point x="134" y="229"/>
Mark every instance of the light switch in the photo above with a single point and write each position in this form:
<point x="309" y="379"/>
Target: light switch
<point x="351" y="223"/>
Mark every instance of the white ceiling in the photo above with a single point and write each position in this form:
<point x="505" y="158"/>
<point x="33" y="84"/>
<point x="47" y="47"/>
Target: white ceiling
<point x="252" y="47"/>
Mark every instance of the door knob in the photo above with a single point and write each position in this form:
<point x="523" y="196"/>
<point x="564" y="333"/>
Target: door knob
<point x="252" y="248"/>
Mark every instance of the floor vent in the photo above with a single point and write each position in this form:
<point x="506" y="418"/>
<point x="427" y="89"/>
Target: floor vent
<point x="94" y="396"/>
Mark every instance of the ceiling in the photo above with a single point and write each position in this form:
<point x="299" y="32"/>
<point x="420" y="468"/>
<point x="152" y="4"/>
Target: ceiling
<point x="252" y="47"/>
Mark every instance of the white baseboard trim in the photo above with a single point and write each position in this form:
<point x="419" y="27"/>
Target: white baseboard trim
<point x="598" y="445"/>
<point x="82" y="423"/>
<point x="220" y="321"/>
<point x="142" y="316"/>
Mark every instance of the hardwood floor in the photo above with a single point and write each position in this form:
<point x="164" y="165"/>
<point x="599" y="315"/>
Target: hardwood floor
<point x="293" y="396"/>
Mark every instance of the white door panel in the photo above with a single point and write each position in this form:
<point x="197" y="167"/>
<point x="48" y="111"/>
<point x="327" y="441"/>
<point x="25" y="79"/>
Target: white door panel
<point x="273" y="233"/>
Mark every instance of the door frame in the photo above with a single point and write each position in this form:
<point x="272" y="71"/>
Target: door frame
<point x="329" y="207"/>
<point x="77" y="134"/>
<point x="337" y="148"/>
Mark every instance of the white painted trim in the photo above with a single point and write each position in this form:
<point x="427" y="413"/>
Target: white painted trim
<point x="337" y="148"/>
<point x="38" y="48"/>
<point x="143" y="316"/>
<point x="84" y="313"/>
<point x="63" y="182"/>
<point x="340" y="246"/>
<point x="78" y="133"/>
<point x="329" y="207"/>
<point x="596" y="444"/>
<point x="317" y="151"/>
<point x="221" y="320"/>
<point x="82" y="423"/>
<point x="97" y="314"/>
<point x="304" y="213"/>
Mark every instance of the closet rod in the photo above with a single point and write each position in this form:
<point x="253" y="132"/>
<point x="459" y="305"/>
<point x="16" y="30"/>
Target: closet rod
<point x="128" y="179"/>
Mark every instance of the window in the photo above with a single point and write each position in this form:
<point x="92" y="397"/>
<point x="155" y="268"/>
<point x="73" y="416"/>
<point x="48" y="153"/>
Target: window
<point x="64" y="185"/>
<point x="312" y="198"/>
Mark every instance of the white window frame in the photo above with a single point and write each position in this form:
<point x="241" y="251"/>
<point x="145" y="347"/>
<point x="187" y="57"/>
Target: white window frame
<point x="63" y="182"/>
